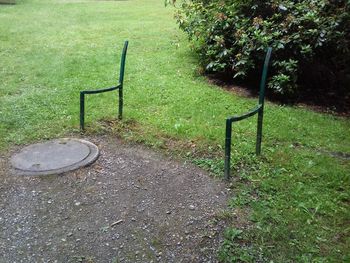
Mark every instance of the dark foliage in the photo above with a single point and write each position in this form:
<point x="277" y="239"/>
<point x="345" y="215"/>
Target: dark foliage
<point x="310" y="39"/>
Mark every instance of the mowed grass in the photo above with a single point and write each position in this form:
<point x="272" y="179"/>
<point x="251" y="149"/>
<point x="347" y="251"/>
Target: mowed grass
<point x="295" y="196"/>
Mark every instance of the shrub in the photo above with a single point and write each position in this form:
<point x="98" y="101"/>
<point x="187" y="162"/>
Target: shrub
<point x="310" y="40"/>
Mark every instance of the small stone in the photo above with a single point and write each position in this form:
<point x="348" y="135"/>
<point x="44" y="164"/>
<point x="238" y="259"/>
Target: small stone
<point x="168" y="212"/>
<point x="192" y="207"/>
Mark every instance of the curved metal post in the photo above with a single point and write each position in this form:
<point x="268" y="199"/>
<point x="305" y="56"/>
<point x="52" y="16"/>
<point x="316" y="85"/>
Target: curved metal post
<point x="119" y="87"/>
<point x="121" y="80"/>
<point x="257" y="110"/>
<point x="262" y="101"/>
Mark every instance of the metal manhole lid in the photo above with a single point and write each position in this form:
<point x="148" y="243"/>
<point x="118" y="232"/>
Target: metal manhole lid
<point x="54" y="157"/>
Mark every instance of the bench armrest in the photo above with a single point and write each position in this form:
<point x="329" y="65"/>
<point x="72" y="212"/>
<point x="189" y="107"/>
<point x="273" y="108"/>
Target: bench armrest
<point x="100" y="90"/>
<point x="246" y="115"/>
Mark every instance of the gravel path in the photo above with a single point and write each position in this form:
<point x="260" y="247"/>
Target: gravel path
<point x="132" y="205"/>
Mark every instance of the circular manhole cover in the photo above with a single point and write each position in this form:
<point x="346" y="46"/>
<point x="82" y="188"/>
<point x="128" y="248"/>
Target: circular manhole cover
<point x="54" y="157"/>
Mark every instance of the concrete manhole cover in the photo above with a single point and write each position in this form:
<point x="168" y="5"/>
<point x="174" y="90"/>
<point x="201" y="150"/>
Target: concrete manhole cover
<point x="54" y="157"/>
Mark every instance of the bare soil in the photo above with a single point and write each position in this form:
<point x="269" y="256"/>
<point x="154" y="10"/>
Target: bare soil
<point x="316" y="101"/>
<point x="131" y="205"/>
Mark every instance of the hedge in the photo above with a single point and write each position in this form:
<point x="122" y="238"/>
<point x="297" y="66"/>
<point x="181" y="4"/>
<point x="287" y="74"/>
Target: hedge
<point x="310" y="39"/>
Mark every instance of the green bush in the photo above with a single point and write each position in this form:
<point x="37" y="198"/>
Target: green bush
<point x="310" y="40"/>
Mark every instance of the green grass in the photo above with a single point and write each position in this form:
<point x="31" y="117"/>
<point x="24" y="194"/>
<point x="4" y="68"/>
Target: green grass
<point x="296" y="195"/>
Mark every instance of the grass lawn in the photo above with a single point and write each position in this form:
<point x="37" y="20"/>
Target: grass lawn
<point x="295" y="198"/>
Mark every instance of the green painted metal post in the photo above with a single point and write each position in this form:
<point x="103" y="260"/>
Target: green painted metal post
<point x="119" y="87"/>
<point x="262" y="101"/>
<point x="82" y="110"/>
<point x="228" y="138"/>
<point x="257" y="110"/>
<point x="259" y="131"/>
<point x="120" y="111"/>
<point x="121" y="79"/>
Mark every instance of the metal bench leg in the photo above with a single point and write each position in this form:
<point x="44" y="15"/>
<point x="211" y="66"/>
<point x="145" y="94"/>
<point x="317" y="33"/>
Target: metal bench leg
<point x="120" y="112"/>
<point x="259" y="131"/>
<point x="228" y="139"/>
<point x="82" y="110"/>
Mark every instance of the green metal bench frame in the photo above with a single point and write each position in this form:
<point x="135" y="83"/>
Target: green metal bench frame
<point x="119" y="87"/>
<point x="257" y="110"/>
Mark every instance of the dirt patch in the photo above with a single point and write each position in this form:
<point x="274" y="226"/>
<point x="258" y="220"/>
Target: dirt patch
<point x="132" y="205"/>
<point x="234" y="88"/>
<point x="316" y="101"/>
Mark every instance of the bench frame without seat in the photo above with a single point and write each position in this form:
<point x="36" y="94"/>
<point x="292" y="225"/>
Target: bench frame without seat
<point x="259" y="109"/>
<point x="119" y="87"/>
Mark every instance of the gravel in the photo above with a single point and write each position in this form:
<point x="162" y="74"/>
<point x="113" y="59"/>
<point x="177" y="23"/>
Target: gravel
<point x="131" y="205"/>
